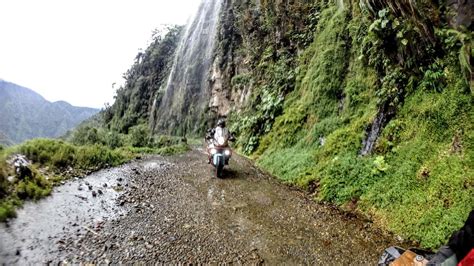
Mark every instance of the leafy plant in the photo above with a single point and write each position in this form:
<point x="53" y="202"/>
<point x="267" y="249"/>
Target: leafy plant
<point x="139" y="135"/>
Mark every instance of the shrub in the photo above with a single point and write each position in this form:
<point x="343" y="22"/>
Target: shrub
<point x="98" y="156"/>
<point x="164" y="141"/>
<point x="4" y="184"/>
<point x="33" y="189"/>
<point x="7" y="210"/>
<point x="174" y="149"/>
<point x="348" y="177"/>
<point x="59" y="154"/>
<point x="139" y="135"/>
<point x="64" y="156"/>
<point x="86" y="135"/>
<point x="114" y="139"/>
<point x="41" y="150"/>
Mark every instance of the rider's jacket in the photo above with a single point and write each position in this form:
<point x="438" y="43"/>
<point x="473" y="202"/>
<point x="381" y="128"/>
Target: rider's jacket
<point x="217" y="133"/>
<point x="221" y="132"/>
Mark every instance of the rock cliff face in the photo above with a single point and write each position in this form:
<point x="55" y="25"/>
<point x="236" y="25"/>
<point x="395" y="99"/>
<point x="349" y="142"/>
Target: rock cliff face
<point x="252" y="34"/>
<point x="183" y="107"/>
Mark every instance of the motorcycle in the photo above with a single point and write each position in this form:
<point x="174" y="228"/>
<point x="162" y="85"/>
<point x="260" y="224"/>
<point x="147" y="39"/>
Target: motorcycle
<point x="219" y="152"/>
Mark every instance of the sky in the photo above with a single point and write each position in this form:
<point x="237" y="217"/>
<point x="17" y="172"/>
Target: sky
<point x="74" y="50"/>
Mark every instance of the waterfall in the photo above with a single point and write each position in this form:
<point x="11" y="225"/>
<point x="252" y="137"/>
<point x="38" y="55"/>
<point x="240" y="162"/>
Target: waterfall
<point x="373" y="133"/>
<point x="186" y="93"/>
<point x="384" y="115"/>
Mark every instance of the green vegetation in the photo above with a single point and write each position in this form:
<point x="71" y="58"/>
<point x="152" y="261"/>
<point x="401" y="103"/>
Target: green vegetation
<point x="117" y="134"/>
<point x="144" y="84"/>
<point x="59" y="155"/>
<point x="56" y="160"/>
<point x="309" y="115"/>
<point x="139" y="136"/>
<point x="53" y="160"/>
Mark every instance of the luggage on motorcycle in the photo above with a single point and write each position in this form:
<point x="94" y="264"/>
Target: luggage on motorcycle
<point x="409" y="258"/>
<point x="390" y="254"/>
<point x="398" y="256"/>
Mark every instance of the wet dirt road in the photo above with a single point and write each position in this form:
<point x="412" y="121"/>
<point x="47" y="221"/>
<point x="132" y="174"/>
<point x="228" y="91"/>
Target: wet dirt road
<point x="172" y="210"/>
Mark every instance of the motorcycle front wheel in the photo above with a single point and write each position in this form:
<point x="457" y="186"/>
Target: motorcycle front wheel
<point x="219" y="170"/>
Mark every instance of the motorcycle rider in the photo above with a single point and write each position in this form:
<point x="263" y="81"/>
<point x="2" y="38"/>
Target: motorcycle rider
<point x="213" y="133"/>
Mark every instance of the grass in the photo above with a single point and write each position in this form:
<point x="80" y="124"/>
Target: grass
<point x="56" y="160"/>
<point x="289" y="164"/>
<point x="59" y="155"/>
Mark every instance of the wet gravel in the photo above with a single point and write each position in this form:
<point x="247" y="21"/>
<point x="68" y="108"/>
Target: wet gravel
<point x="72" y="210"/>
<point x="173" y="210"/>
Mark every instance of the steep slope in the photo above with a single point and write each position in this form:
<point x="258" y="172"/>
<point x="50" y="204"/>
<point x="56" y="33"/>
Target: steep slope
<point x="145" y="84"/>
<point x="184" y="103"/>
<point x="374" y="115"/>
<point x="24" y="114"/>
<point x="367" y="104"/>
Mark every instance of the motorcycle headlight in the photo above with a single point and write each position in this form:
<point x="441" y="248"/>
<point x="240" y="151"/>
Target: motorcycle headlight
<point x="227" y="152"/>
<point x="213" y="151"/>
<point x="221" y="140"/>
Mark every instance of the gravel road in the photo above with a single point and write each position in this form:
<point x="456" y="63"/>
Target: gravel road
<point x="172" y="210"/>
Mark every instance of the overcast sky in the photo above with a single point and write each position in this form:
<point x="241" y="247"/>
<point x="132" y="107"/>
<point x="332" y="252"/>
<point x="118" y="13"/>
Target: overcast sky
<point x="74" y="50"/>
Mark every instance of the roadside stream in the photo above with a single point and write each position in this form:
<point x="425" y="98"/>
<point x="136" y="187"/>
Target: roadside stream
<point x="74" y="209"/>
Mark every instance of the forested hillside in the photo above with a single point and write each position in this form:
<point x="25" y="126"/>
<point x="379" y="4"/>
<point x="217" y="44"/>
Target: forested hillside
<point x="366" y="104"/>
<point x="24" y="114"/>
<point x="144" y="86"/>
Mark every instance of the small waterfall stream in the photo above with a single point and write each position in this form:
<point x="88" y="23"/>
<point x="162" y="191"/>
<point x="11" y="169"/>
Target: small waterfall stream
<point x="186" y="94"/>
<point x="384" y="115"/>
<point x="373" y="133"/>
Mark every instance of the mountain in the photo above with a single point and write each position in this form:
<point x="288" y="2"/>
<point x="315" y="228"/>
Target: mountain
<point x="366" y="104"/>
<point x="4" y="140"/>
<point x="24" y="114"/>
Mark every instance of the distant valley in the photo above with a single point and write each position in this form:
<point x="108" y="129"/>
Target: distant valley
<point x="24" y="114"/>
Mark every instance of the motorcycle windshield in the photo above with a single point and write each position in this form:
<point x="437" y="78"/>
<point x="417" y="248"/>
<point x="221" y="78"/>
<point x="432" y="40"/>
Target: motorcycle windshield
<point x="221" y="136"/>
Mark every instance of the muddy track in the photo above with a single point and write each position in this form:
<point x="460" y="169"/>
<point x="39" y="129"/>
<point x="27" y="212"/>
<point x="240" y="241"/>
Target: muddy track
<point x="172" y="209"/>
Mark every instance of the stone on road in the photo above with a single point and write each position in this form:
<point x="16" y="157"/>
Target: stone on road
<point x="173" y="210"/>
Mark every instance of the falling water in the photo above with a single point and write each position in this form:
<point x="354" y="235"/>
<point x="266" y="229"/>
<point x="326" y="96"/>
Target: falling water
<point x="186" y="95"/>
<point x="372" y="134"/>
<point x="384" y="115"/>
